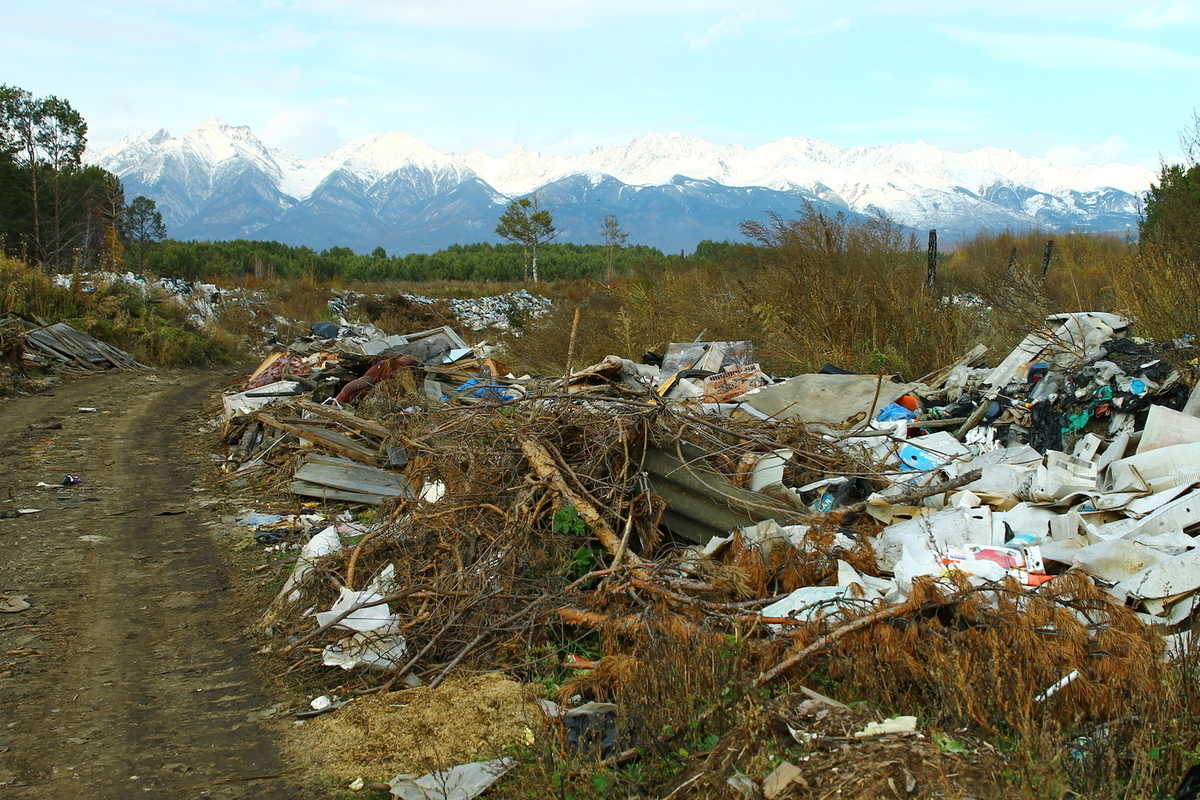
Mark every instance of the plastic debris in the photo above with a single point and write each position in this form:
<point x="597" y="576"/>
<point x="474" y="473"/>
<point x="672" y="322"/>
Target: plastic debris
<point x="457" y="783"/>
<point x="14" y="604"/>
<point x="904" y="724"/>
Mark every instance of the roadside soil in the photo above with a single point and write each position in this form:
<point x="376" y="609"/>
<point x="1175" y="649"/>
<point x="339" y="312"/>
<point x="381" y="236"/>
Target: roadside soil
<point x="131" y="673"/>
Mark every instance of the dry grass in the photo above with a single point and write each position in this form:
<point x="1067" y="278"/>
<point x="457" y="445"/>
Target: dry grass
<point x="821" y="290"/>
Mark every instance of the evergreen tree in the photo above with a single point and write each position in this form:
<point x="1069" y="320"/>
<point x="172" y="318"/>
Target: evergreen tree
<point x="1169" y="227"/>
<point x="527" y="224"/>
<point x="44" y="189"/>
<point x="143" y="226"/>
<point x="613" y="239"/>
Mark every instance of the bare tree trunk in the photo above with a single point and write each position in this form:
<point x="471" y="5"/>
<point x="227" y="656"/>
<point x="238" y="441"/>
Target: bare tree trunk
<point x="931" y="271"/>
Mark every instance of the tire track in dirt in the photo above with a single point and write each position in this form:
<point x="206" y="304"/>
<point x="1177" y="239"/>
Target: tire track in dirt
<point x="136" y="676"/>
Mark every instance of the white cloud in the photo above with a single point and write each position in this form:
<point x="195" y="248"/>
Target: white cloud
<point x="1058" y="51"/>
<point x="289" y="80"/>
<point x="1157" y="16"/>
<point x="727" y="26"/>
<point x="307" y="132"/>
<point x="1080" y="155"/>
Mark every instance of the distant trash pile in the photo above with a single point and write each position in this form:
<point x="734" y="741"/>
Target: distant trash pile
<point x="475" y="313"/>
<point x="205" y="300"/>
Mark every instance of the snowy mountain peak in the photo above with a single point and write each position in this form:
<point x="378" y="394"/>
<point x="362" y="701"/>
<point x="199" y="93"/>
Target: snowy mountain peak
<point x="388" y="152"/>
<point x="215" y="141"/>
<point x="649" y="160"/>
<point x="915" y="183"/>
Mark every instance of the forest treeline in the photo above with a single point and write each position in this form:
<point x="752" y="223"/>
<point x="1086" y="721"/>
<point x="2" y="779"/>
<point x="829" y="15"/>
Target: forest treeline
<point x="56" y="211"/>
<point x="483" y="262"/>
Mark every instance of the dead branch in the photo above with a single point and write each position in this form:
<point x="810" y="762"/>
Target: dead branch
<point x="908" y="498"/>
<point x="543" y="464"/>
<point x="830" y="638"/>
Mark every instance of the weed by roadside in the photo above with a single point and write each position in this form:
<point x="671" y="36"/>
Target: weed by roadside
<point x="151" y="326"/>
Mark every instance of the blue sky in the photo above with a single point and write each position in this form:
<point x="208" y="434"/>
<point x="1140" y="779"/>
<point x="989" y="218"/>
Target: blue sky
<point x="1077" y="82"/>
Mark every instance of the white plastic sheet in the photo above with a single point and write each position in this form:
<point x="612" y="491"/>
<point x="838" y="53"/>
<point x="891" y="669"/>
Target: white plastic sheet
<point x="457" y="783"/>
<point x="321" y="544"/>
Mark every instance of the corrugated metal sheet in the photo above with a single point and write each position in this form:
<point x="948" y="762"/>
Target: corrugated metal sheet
<point x="701" y="502"/>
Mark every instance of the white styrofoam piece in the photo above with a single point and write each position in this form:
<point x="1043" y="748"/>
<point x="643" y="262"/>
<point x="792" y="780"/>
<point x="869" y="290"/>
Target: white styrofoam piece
<point x="1177" y="515"/>
<point x="1174" y="576"/>
<point x="1156" y="470"/>
<point x="1112" y="561"/>
<point x="1166" y="427"/>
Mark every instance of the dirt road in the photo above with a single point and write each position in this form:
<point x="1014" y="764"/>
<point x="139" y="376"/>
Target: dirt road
<point x="130" y="674"/>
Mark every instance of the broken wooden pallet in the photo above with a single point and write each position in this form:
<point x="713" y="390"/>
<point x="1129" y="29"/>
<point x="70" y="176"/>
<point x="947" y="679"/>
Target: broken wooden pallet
<point x="330" y="440"/>
<point x="333" y="478"/>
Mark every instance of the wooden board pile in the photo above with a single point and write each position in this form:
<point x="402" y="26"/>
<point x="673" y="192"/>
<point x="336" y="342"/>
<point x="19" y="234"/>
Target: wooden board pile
<point x="332" y="454"/>
<point x="61" y="344"/>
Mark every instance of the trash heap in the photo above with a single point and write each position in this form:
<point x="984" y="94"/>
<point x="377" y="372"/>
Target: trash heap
<point x="201" y="299"/>
<point x="473" y="313"/>
<point x="661" y="509"/>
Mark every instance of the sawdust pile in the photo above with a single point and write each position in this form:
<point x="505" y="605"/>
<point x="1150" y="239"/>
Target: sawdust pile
<point x="467" y="718"/>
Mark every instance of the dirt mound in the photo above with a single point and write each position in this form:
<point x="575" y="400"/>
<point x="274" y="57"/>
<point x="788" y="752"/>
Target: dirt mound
<point x="398" y="314"/>
<point x="421" y="730"/>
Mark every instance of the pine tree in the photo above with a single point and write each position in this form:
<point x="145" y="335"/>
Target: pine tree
<point x="613" y="239"/>
<point x="527" y="224"/>
<point x="143" y="226"/>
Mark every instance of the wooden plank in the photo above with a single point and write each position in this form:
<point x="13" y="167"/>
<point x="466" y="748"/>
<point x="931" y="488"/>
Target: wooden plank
<point x="50" y="345"/>
<point x="325" y="493"/>
<point x="339" y="461"/>
<point x="342" y="445"/>
<point x="357" y="480"/>
<point x="334" y="461"/>
<point x="345" y="418"/>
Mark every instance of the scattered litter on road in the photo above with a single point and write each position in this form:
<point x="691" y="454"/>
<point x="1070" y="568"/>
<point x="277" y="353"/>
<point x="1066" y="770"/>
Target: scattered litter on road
<point x="13" y="604"/>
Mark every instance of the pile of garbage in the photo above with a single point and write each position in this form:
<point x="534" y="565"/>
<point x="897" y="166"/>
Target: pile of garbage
<point x="203" y="300"/>
<point x="690" y="497"/>
<point x="498" y="312"/>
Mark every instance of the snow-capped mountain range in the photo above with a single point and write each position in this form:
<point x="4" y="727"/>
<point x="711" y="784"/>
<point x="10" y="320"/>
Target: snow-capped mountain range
<point x="668" y="190"/>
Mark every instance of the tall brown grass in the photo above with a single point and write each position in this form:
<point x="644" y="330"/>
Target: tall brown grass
<point x="1004" y="273"/>
<point x="822" y="288"/>
<point x="818" y="289"/>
